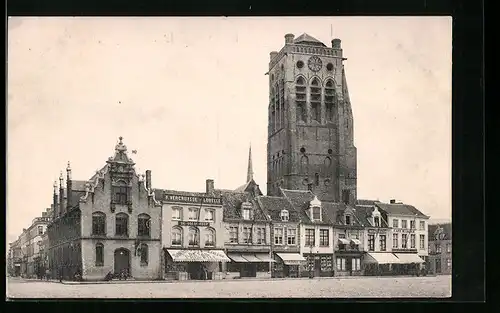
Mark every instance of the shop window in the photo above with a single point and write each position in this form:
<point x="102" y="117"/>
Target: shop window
<point x="99" y="224"/>
<point x="193" y="214"/>
<point x="404" y="241"/>
<point x="176" y="214"/>
<point x="247" y="234"/>
<point x="324" y="237"/>
<point x="412" y="241"/>
<point x="176" y="236"/>
<point x="233" y="234"/>
<point x="309" y="236"/>
<point x="356" y="264"/>
<point x="326" y="263"/>
<point x="341" y="264"/>
<point x="284" y="215"/>
<point x="121" y="222"/>
<point x="194" y="237"/>
<point x="383" y="243"/>
<point x="291" y="233"/>
<point x="395" y="243"/>
<point x="395" y="223"/>
<point x="371" y="242"/>
<point x="422" y="242"/>
<point x="99" y="254"/>
<point x="278" y="236"/>
<point x="262" y="267"/>
<point x="209" y="215"/>
<point x="210" y="237"/>
<point x="144" y="225"/>
<point x="144" y="252"/>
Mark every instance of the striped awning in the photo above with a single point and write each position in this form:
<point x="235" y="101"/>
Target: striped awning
<point x="251" y="258"/>
<point x="198" y="256"/>
<point x="236" y="257"/>
<point x="291" y="258"/>
<point x="355" y="241"/>
<point x="408" y="258"/>
<point x="264" y="257"/>
<point x="381" y="258"/>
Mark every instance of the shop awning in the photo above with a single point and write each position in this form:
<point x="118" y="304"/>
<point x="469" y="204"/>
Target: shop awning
<point x="264" y="257"/>
<point x="344" y="241"/>
<point x="355" y="241"/>
<point x="250" y="257"/>
<point x="236" y="257"/>
<point x="198" y="256"/>
<point x="408" y="258"/>
<point x="382" y="258"/>
<point x="291" y="258"/>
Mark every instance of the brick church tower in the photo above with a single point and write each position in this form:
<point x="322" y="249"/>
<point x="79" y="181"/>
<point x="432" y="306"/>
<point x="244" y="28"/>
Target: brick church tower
<point x="310" y="129"/>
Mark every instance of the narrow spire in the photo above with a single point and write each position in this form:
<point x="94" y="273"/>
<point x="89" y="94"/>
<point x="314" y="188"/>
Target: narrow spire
<point x="250" y="167"/>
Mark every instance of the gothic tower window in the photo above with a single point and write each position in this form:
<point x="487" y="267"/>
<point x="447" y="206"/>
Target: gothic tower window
<point x="272" y="122"/>
<point x="300" y="99"/>
<point x="315" y="100"/>
<point x="282" y="101"/>
<point x="329" y="100"/>
<point x="316" y="179"/>
<point x="304" y="165"/>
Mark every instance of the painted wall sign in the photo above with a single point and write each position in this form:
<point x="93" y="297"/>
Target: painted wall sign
<point x="192" y="199"/>
<point x="193" y="223"/>
<point x="403" y="230"/>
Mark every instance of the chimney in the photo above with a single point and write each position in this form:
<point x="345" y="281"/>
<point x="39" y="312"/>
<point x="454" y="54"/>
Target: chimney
<point x="69" y="187"/>
<point x="148" y="179"/>
<point x="210" y="186"/>
<point x="393" y="201"/>
<point x="289" y="38"/>
<point x="336" y="43"/>
<point x="273" y="55"/>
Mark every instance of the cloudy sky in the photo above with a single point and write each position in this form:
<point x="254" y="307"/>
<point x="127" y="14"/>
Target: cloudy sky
<point x="190" y="94"/>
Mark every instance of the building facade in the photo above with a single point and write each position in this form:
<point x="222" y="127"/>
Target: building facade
<point x="440" y="249"/>
<point x="192" y="234"/>
<point x="108" y="224"/>
<point x="349" y="241"/>
<point x="310" y="128"/>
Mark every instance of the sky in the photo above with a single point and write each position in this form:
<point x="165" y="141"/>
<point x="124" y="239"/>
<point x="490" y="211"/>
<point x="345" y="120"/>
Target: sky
<point x="191" y="95"/>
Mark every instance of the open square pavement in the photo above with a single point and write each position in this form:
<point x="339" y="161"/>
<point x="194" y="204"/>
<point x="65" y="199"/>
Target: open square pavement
<point x="353" y="287"/>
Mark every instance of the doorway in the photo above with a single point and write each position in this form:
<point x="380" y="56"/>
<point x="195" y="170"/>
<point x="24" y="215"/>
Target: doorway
<point x="438" y="266"/>
<point x="317" y="266"/>
<point x="122" y="261"/>
<point x="195" y="270"/>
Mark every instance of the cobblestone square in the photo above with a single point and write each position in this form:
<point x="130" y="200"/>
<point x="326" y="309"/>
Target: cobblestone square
<point x="384" y="287"/>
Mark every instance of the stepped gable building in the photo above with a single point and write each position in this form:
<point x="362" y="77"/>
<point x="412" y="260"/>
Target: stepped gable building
<point x="192" y="234"/>
<point x="310" y="128"/>
<point x="247" y="241"/>
<point x="440" y="248"/>
<point x="109" y="223"/>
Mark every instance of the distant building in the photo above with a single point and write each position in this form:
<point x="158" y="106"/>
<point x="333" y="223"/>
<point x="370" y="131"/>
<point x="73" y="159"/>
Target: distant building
<point x="440" y="248"/>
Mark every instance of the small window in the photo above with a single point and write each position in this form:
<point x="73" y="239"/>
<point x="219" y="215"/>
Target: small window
<point x="412" y="224"/>
<point x="246" y="214"/>
<point x="422" y="225"/>
<point x="404" y="241"/>
<point x="377" y="221"/>
<point x="144" y="250"/>
<point x="330" y="151"/>
<point x="310" y="238"/>
<point x="40" y="230"/>
<point x="176" y="214"/>
<point x="395" y="243"/>
<point x="233" y="234"/>
<point x="395" y="223"/>
<point x="261" y="236"/>
<point x="371" y="242"/>
<point x="193" y="214"/>
<point x="99" y="254"/>
<point x="329" y="67"/>
<point x="278" y="236"/>
<point x="247" y="234"/>
<point x="324" y="237"/>
<point x="316" y="179"/>
<point x="316" y="213"/>
<point x="302" y="150"/>
<point x="382" y="243"/>
<point x="291" y="236"/>
<point x="300" y="64"/>
<point x="404" y="224"/>
<point x="284" y="215"/>
<point x="348" y="220"/>
<point x="209" y="215"/>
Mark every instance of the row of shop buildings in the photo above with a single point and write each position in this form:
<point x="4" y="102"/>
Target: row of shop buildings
<point x="117" y="222"/>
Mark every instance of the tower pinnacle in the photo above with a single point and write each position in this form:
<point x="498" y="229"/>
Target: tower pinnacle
<point x="250" y="167"/>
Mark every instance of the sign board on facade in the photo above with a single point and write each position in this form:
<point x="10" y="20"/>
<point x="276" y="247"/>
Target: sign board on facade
<point x="193" y="223"/>
<point x="403" y="230"/>
<point x="374" y="231"/>
<point x="193" y="199"/>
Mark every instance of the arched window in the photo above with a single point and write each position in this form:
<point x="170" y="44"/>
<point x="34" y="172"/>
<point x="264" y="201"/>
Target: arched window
<point x="98" y="224"/>
<point x="144" y="250"/>
<point x="304" y="164"/>
<point x="328" y="162"/>
<point x="315" y="100"/>
<point x="329" y="100"/>
<point x="300" y="99"/>
<point x="121" y="225"/>
<point x="210" y="237"/>
<point x="277" y="107"/>
<point x="99" y="254"/>
<point x="194" y="236"/>
<point x="316" y="179"/>
<point x="176" y="236"/>
<point x="144" y="225"/>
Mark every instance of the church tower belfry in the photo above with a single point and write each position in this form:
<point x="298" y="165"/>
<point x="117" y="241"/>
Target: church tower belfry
<point x="310" y="128"/>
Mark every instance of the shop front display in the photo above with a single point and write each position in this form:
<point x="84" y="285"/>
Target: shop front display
<point x="249" y="265"/>
<point x="194" y="264"/>
<point x="319" y="265"/>
<point x="288" y="265"/>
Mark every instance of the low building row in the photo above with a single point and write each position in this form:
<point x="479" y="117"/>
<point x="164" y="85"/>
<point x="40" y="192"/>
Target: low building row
<point x="116" y="222"/>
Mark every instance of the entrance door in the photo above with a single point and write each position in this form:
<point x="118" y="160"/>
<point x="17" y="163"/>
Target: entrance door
<point x="195" y="270"/>
<point x="122" y="261"/>
<point x="317" y="266"/>
<point x="438" y="266"/>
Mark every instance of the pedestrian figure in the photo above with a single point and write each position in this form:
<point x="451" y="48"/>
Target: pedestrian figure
<point x="47" y="274"/>
<point x="60" y="274"/>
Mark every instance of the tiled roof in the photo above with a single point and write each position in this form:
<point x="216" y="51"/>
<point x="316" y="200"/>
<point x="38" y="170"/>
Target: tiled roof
<point x="248" y="187"/>
<point x="75" y="197"/>
<point x="447" y="230"/>
<point x="273" y="206"/>
<point x="362" y="212"/>
<point x="78" y="185"/>
<point x="400" y="208"/>
<point x="300" y="199"/>
<point x="365" y="202"/>
<point x="308" y="39"/>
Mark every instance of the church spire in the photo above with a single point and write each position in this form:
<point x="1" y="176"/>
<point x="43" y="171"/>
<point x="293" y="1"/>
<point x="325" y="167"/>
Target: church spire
<point x="250" y="167"/>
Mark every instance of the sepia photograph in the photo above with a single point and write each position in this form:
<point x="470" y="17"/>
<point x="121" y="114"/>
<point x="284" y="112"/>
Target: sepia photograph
<point x="229" y="157"/>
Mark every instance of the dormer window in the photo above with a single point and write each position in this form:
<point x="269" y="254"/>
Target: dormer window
<point x="246" y="210"/>
<point x="348" y="220"/>
<point x="316" y="213"/>
<point x="284" y="215"/>
<point x="315" y="209"/>
<point x="376" y="221"/>
<point x="246" y="214"/>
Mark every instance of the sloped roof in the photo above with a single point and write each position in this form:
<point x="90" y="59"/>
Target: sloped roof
<point x="78" y="185"/>
<point x="363" y="212"/>
<point x="273" y="206"/>
<point x="447" y="230"/>
<point x="400" y="208"/>
<point x="300" y="200"/>
<point x="365" y="202"/>
<point x="306" y="39"/>
<point x="248" y="187"/>
<point x="231" y="205"/>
